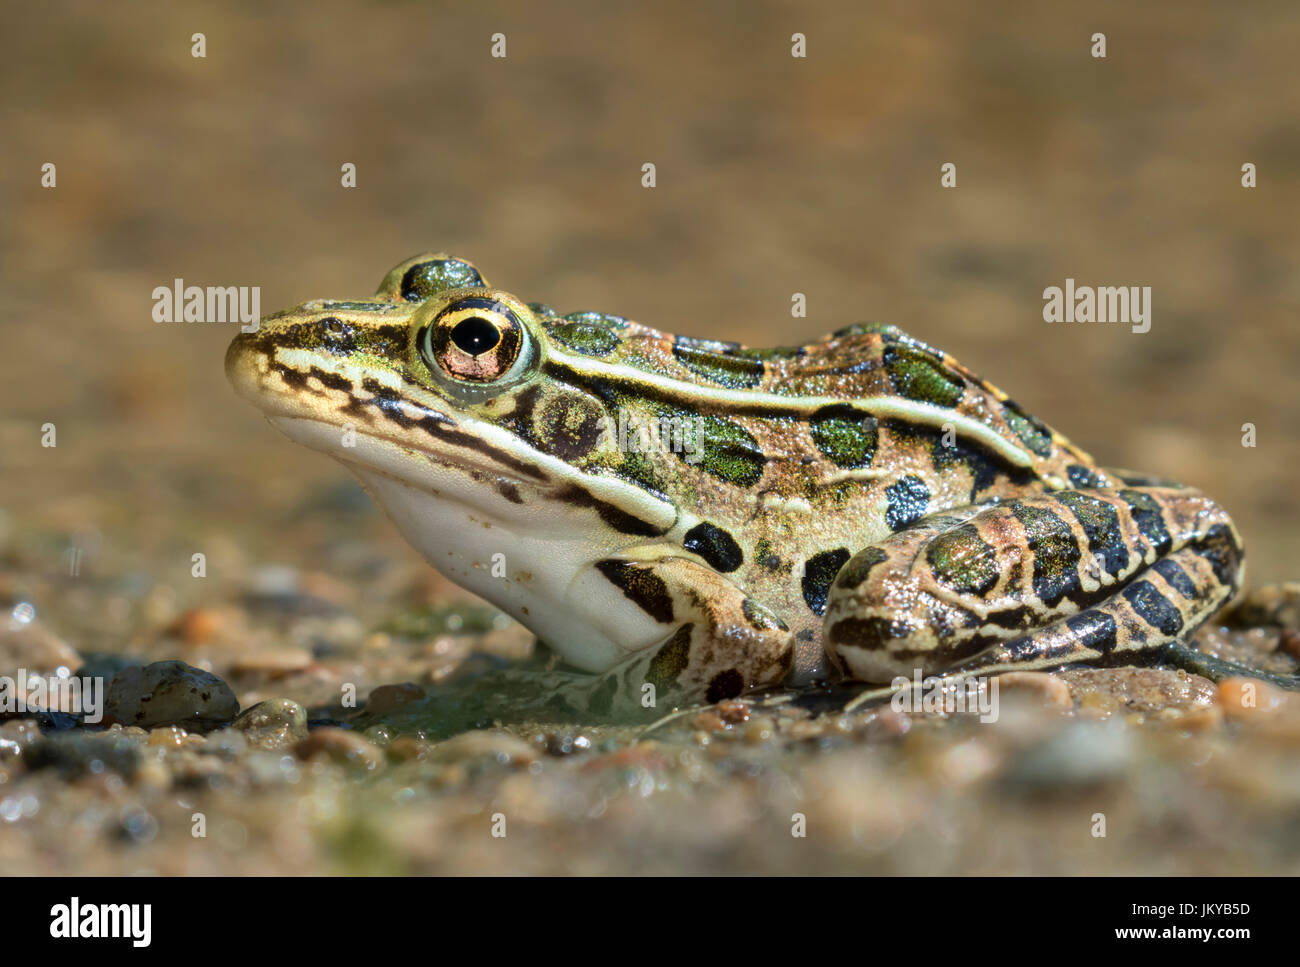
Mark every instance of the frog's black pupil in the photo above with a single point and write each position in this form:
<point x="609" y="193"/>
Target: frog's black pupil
<point x="475" y="335"/>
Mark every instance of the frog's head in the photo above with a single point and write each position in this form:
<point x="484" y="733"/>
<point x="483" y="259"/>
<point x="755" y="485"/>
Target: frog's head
<point x="463" y="414"/>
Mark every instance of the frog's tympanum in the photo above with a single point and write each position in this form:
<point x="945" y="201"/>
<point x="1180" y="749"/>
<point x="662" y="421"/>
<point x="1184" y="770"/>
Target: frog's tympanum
<point x="708" y="518"/>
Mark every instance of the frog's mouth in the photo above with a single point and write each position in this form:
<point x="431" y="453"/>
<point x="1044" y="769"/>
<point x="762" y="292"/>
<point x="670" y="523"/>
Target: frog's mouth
<point x="476" y="470"/>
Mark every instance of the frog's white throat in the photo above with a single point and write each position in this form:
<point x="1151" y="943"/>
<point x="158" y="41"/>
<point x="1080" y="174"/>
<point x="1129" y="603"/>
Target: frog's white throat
<point x="533" y="559"/>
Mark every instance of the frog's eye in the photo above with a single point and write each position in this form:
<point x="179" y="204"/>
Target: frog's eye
<point x="476" y="340"/>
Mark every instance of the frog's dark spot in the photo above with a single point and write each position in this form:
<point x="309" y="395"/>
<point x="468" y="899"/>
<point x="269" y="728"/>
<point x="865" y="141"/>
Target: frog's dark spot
<point x="426" y="279"/>
<point x="908" y="500"/>
<point x="714" y="363"/>
<point x="845" y="435"/>
<point x="1094" y="629"/>
<point x="718" y="548"/>
<point x="567" y="424"/>
<point x="1150" y="522"/>
<point x="1175" y="577"/>
<point x="818" y="573"/>
<point x="300" y="380"/>
<point x="670" y="660"/>
<point x="332" y="380"/>
<point x="918" y="376"/>
<point x="1153" y="607"/>
<point x="760" y="618"/>
<point x="587" y="336"/>
<point x="726" y="684"/>
<point x="964" y="561"/>
<point x="1081" y="476"/>
<point x="1220" y="547"/>
<point x="1056" y="552"/>
<point x="1032" y="432"/>
<point x="859" y="566"/>
<point x="1100" y="523"/>
<point x="868" y="634"/>
<point x="641" y="586"/>
<point x="509" y="491"/>
<point x="724" y="449"/>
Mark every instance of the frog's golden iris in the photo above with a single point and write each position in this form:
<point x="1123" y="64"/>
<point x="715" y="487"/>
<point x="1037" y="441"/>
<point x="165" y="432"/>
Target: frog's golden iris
<point x="474" y="339"/>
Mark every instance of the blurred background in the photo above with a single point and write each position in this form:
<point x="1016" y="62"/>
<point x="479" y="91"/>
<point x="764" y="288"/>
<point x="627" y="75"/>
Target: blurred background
<point x="775" y="175"/>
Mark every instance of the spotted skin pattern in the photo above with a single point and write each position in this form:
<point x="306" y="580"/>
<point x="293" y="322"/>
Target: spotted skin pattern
<point x="708" y="518"/>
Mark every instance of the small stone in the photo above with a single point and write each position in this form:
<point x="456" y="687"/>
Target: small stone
<point x="1040" y="687"/>
<point x="388" y="698"/>
<point x="169" y="736"/>
<point x="341" y="746"/>
<point x="170" y="693"/>
<point x="281" y="661"/>
<point x="708" y="721"/>
<point x="274" y="723"/>
<point x="1288" y="642"/>
<point x="1248" y="698"/>
<point x="733" y="712"/>
<point x="196" y="626"/>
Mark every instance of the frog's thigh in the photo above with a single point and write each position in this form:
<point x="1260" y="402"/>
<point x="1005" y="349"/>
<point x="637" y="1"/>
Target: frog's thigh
<point x="1095" y="576"/>
<point x="717" y="641"/>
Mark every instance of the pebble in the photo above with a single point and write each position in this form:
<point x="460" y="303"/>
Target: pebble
<point x="389" y="698"/>
<point x="274" y="723"/>
<point x="1248" y="698"/>
<point x="341" y="746"/>
<point x="1040" y="687"/>
<point x="1288" y="642"/>
<point x="196" y="626"/>
<point x="169" y="736"/>
<point x="171" y="693"/>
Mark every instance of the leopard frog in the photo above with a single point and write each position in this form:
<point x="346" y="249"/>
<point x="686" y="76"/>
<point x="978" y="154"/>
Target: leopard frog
<point x="702" y="518"/>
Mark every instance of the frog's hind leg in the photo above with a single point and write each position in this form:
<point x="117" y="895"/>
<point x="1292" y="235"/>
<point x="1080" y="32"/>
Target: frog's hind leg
<point x="1097" y="577"/>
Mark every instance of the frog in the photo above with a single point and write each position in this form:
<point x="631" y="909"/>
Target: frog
<point x="692" y="519"/>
